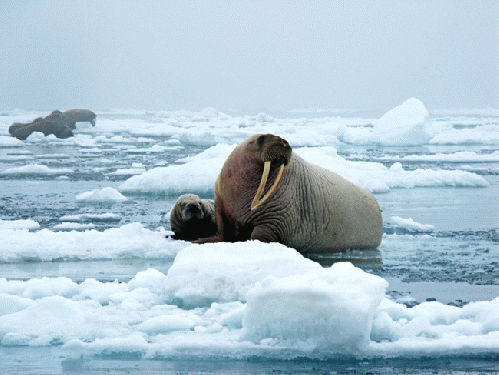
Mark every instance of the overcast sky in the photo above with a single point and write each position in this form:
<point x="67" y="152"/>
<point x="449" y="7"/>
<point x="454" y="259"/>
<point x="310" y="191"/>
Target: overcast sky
<point x="250" y="56"/>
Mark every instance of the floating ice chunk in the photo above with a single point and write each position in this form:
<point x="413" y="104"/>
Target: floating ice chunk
<point x="406" y="124"/>
<point x="128" y="172"/>
<point x="73" y="226"/>
<point x="150" y="279"/>
<point x="92" y="217"/>
<point x="433" y="326"/>
<point x="411" y="225"/>
<point x="106" y="195"/>
<point x="456" y="157"/>
<point x="315" y="308"/>
<point x="11" y="303"/>
<point x="197" y="138"/>
<point x="202" y="274"/>
<point x="131" y="240"/>
<point x="197" y="175"/>
<point x="377" y="178"/>
<point x="35" y="169"/>
<point x="166" y="323"/>
<point x="51" y="320"/>
<point x="10" y="142"/>
<point x="19" y="224"/>
<point x="156" y="149"/>
<point x="40" y="287"/>
<point x="483" y="134"/>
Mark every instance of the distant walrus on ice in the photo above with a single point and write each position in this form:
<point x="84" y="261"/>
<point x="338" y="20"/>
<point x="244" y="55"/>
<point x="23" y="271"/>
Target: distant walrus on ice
<point x="192" y="218"/>
<point x="58" y="123"/>
<point x="306" y="207"/>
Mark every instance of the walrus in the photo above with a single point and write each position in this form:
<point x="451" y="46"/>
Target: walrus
<point x="192" y="218"/>
<point x="18" y="125"/>
<point x="45" y="127"/>
<point x="266" y="192"/>
<point x="71" y="117"/>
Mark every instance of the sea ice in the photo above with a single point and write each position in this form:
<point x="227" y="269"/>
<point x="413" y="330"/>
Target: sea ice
<point x="19" y="224"/>
<point x="224" y="272"/>
<point x="405" y="125"/>
<point x="131" y="240"/>
<point x="10" y="142"/>
<point x="411" y="225"/>
<point x="105" y="195"/>
<point x="265" y="300"/>
<point x="36" y="169"/>
<point x="199" y="173"/>
<point x="315" y="308"/>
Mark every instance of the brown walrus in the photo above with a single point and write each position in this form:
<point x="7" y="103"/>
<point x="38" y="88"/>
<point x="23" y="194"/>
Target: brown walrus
<point x="72" y="116"/>
<point x="43" y="126"/>
<point x="306" y="207"/>
<point x="192" y="218"/>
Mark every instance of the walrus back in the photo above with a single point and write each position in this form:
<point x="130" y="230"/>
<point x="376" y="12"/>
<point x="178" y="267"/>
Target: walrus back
<point x="332" y="213"/>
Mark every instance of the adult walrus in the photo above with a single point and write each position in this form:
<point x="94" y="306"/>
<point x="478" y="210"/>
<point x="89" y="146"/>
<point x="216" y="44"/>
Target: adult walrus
<point x="71" y="117"/>
<point x="192" y="217"/>
<point x="43" y="126"/>
<point x="306" y="207"/>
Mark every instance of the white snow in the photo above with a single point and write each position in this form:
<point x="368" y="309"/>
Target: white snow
<point x="411" y="225"/>
<point x="238" y="300"/>
<point x="105" y="195"/>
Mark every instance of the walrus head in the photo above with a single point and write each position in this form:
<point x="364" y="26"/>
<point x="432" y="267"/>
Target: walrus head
<point x="272" y="151"/>
<point x="189" y="206"/>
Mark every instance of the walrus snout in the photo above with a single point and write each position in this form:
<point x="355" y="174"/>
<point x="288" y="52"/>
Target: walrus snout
<point x="194" y="209"/>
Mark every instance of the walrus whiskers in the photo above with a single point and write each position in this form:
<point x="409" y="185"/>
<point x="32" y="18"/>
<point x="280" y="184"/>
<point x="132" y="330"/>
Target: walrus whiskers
<point x="266" y="168"/>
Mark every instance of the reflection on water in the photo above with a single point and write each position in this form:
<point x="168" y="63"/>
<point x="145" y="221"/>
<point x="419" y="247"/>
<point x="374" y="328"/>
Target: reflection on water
<point x="367" y="259"/>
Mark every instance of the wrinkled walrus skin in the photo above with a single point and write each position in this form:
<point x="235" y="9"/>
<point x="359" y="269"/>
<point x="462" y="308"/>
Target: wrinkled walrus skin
<point x="310" y="209"/>
<point x="192" y="218"/>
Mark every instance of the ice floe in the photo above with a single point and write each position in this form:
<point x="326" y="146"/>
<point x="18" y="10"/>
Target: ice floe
<point x="199" y="173"/>
<point x="105" y="195"/>
<point x="237" y="301"/>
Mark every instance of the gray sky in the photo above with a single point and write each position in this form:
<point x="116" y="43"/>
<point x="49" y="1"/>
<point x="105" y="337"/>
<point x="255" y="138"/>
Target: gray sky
<point x="248" y="55"/>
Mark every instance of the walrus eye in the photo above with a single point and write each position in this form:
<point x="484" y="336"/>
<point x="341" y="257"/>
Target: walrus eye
<point x="260" y="141"/>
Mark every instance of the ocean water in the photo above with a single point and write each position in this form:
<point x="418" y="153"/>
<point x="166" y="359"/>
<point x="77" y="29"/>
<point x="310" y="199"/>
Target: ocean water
<point x="90" y="281"/>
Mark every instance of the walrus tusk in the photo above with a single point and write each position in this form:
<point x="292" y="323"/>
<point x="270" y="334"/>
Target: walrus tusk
<point x="266" y="168"/>
<point x="256" y="200"/>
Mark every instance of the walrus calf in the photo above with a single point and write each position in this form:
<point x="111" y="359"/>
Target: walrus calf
<point x="42" y="126"/>
<point x="306" y="207"/>
<point x="192" y="218"/>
